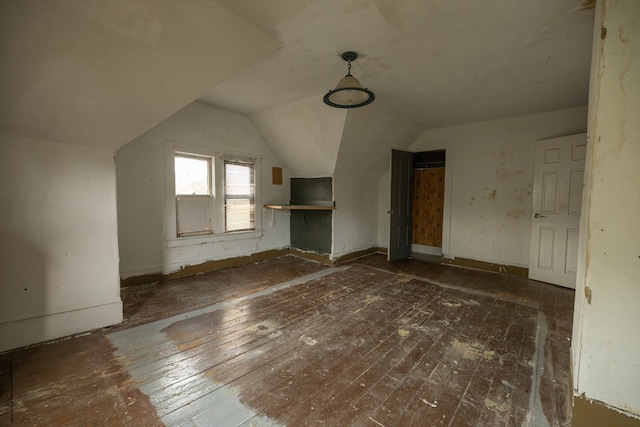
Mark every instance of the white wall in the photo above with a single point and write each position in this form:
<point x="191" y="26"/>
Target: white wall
<point x="58" y="241"/>
<point x="365" y="154"/>
<point x="306" y="135"/>
<point x="606" y="337"/>
<point x="351" y="146"/>
<point x="492" y="178"/>
<point x="145" y="215"/>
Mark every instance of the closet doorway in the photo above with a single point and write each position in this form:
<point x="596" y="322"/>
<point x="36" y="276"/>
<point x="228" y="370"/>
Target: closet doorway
<point x="428" y="201"/>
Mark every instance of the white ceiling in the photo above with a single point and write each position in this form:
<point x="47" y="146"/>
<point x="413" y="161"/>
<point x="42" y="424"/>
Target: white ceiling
<point x="100" y="73"/>
<point x="438" y="62"/>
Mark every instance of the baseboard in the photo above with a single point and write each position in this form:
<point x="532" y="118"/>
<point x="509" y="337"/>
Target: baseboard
<point x="312" y="256"/>
<point x="142" y="279"/>
<point x="354" y="255"/>
<point x="592" y="413"/>
<point x="487" y="266"/>
<point x="469" y="263"/>
<point x="24" y="332"/>
<point x="205" y="267"/>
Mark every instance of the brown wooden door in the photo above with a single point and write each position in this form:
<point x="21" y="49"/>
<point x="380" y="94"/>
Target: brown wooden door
<point x="428" y="205"/>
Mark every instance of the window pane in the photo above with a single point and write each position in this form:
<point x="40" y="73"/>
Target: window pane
<point x="239" y="195"/>
<point x="239" y="214"/>
<point x="193" y="215"/>
<point x="192" y="175"/>
<point x="238" y="179"/>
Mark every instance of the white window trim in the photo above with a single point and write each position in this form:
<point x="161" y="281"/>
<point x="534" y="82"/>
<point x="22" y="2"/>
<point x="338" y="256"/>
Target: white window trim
<point x="219" y="234"/>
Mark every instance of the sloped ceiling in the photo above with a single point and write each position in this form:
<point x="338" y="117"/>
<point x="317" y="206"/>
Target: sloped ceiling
<point x="437" y="62"/>
<point x="307" y="138"/>
<point x="100" y="73"/>
<point x="314" y="140"/>
<point x="431" y="63"/>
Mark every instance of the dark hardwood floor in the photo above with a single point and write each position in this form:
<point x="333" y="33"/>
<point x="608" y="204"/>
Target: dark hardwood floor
<point x="295" y="343"/>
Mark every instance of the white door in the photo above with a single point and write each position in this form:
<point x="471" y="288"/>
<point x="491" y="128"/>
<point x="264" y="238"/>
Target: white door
<point x="557" y="201"/>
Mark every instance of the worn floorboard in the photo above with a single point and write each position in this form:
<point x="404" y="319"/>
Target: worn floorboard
<point x="292" y="342"/>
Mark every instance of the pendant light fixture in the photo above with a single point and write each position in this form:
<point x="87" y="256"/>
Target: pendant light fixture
<point x="349" y="93"/>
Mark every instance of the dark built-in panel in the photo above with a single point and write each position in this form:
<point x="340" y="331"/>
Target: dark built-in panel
<point x="312" y="191"/>
<point x="310" y="229"/>
<point x="429" y="159"/>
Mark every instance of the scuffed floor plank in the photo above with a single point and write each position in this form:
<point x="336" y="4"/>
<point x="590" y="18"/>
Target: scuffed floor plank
<point x="5" y="388"/>
<point x="76" y="382"/>
<point x="292" y="342"/>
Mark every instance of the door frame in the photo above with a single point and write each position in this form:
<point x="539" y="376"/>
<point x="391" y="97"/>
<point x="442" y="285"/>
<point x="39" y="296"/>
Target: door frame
<point x="427" y="249"/>
<point x="448" y="147"/>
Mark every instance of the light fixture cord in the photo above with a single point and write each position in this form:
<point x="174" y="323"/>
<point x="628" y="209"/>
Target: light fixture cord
<point x="349" y="69"/>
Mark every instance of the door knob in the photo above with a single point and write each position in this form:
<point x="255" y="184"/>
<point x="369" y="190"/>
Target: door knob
<point x="539" y="216"/>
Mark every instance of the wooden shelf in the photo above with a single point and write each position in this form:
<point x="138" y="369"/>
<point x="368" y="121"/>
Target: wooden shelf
<point x="300" y="207"/>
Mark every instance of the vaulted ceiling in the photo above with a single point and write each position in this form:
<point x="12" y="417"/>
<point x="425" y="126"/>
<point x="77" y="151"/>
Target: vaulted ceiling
<point x="431" y="63"/>
<point x="101" y="73"/>
<point x="439" y="62"/>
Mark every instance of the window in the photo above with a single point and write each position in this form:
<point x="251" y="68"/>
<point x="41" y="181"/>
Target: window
<point x="215" y="193"/>
<point x="194" y="198"/>
<point x="193" y="174"/>
<point x="239" y="195"/>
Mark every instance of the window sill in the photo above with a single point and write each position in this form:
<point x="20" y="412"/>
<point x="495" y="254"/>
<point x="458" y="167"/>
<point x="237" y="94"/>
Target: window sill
<point x="174" y="242"/>
<point x="300" y="207"/>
